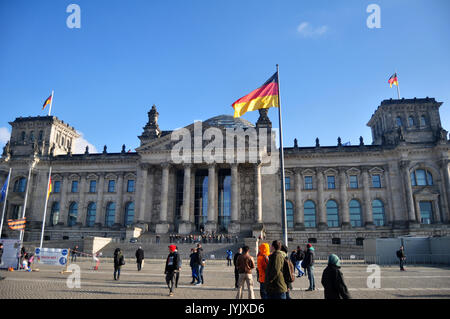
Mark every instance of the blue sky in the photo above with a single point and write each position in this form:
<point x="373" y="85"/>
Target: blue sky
<point x="193" y="59"/>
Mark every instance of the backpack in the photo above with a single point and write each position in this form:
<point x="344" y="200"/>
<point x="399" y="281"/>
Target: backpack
<point x="399" y="254"/>
<point x="288" y="271"/>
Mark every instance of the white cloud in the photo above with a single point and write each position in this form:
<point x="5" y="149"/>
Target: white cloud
<point x="308" y="31"/>
<point x="4" y="135"/>
<point x="80" y="145"/>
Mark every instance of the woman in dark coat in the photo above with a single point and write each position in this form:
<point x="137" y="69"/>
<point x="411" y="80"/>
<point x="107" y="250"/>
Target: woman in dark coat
<point x="119" y="261"/>
<point x="333" y="280"/>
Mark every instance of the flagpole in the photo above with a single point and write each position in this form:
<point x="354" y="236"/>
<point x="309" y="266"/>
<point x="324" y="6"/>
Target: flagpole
<point x="51" y="103"/>
<point x="25" y="203"/>
<point x="283" y="187"/>
<point x="45" y="207"/>
<point x="398" y="88"/>
<point x="4" y="203"/>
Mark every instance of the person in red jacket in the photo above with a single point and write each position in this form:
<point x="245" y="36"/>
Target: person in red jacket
<point x="262" y="261"/>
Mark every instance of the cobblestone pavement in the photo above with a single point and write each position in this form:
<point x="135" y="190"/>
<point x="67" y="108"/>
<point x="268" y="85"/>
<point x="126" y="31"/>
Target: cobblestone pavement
<point x="48" y="282"/>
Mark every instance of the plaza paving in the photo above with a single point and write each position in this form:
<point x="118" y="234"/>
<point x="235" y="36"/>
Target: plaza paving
<point x="416" y="282"/>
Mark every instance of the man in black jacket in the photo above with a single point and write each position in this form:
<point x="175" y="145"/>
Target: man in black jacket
<point x="401" y="256"/>
<point x="333" y="280"/>
<point x="236" y="270"/>
<point x="139" y="258"/>
<point x="308" y="264"/>
<point x="172" y="269"/>
<point x="1" y="255"/>
<point x="199" y="263"/>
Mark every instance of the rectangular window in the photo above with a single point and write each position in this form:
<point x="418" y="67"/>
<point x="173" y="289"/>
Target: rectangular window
<point x="56" y="187"/>
<point x="376" y="181"/>
<point x="308" y="182"/>
<point x="287" y="183"/>
<point x="353" y="181"/>
<point x="92" y="186"/>
<point x="130" y="186"/>
<point x="111" y="186"/>
<point x="331" y="182"/>
<point x="74" y="186"/>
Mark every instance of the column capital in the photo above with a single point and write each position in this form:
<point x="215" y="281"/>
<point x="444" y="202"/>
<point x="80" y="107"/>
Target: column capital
<point x="365" y="168"/>
<point x="166" y="165"/>
<point x="212" y="165"/>
<point x="404" y="164"/>
<point x="187" y="165"/>
<point x="443" y="163"/>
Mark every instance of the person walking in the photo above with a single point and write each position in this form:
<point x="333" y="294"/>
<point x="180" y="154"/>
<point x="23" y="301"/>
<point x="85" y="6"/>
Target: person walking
<point x="1" y="255"/>
<point x="173" y="267"/>
<point x="236" y="271"/>
<point x="229" y="257"/>
<point x="245" y="265"/>
<point x="300" y="255"/>
<point x="192" y="264"/>
<point x="333" y="280"/>
<point x="401" y="257"/>
<point x="274" y="283"/>
<point x="262" y="261"/>
<point x="74" y="254"/>
<point x="308" y="264"/>
<point x="119" y="261"/>
<point x="200" y="265"/>
<point x="139" y="258"/>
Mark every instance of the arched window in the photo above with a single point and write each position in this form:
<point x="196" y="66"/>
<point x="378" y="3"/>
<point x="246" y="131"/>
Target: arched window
<point x="289" y="214"/>
<point x="309" y="211"/>
<point x="421" y="177"/>
<point x="90" y="216"/>
<point x="129" y="213"/>
<point x="110" y="214"/>
<point x="378" y="212"/>
<point x="73" y="214"/>
<point x="410" y="121"/>
<point x="20" y="185"/>
<point x="332" y="214"/>
<point x="23" y="136"/>
<point x="32" y="136"/>
<point x="54" y="215"/>
<point x="355" y="213"/>
<point x="423" y="121"/>
<point x="41" y="136"/>
<point x="398" y="121"/>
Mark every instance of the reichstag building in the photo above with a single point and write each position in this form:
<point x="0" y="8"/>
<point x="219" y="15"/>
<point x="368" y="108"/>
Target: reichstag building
<point x="397" y="185"/>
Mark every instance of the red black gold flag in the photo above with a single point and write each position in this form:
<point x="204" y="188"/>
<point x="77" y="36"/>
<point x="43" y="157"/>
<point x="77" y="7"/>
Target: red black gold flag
<point x="17" y="224"/>
<point x="264" y="97"/>
<point x="47" y="101"/>
<point x="393" y="80"/>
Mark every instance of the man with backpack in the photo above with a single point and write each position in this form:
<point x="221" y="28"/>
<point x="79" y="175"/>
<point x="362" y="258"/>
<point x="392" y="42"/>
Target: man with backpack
<point x="274" y="283"/>
<point x="401" y="257"/>
<point x="300" y="255"/>
<point x="236" y="271"/>
<point x="229" y="257"/>
<point x="119" y="261"/>
<point x="288" y="271"/>
<point x="172" y="269"/>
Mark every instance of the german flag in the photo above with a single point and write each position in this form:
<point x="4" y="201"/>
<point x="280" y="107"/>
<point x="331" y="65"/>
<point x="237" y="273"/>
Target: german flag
<point x="47" y="101"/>
<point x="264" y="97"/>
<point x="17" y="224"/>
<point x="49" y="190"/>
<point x="393" y="80"/>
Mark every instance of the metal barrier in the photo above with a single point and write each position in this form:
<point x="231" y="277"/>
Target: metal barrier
<point x="417" y="259"/>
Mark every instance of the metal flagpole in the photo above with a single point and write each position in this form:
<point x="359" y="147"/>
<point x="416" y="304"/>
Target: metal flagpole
<point x="51" y="103"/>
<point x="45" y="207"/>
<point x="25" y="203"/>
<point x="4" y="203"/>
<point x="398" y="87"/>
<point x="283" y="187"/>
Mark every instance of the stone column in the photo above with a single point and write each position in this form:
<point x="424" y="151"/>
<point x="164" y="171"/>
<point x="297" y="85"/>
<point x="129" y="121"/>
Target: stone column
<point x="445" y="189"/>
<point x="411" y="214"/>
<point x="82" y="206"/>
<point x="258" y="194"/>
<point x="185" y="227"/>
<point x="150" y="189"/>
<point x="322" y="225"/>
<point x="299" y="213"/>
<point x="163" y="227"/>
<point x="143" y="193"/>
<point x="211" y="225"/>
<point x="389" y="214"/>
<point x="234" y="226"/>
<point x="64" y="207"/>
<point x="437" y="213"/>
<point x="101" y="189"/>
<point x="118" y="217"/>
<point x="344" y="199"/>
<point x="368" y="216"/>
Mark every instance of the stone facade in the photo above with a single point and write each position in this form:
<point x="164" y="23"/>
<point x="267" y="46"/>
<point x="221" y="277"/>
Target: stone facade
<point x="398" y="185"/>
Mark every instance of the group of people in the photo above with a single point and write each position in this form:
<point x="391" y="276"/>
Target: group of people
<point x="276" y="272"/>
<point x="205" y="237"/>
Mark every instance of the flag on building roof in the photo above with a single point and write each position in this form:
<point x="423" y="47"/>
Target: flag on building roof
<point x="264" y="97"/>
<point x="393" y="80"/>
<point x="17" y="224"/>
<point x="47" y="101"/>
<point x="3" y="191"/>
